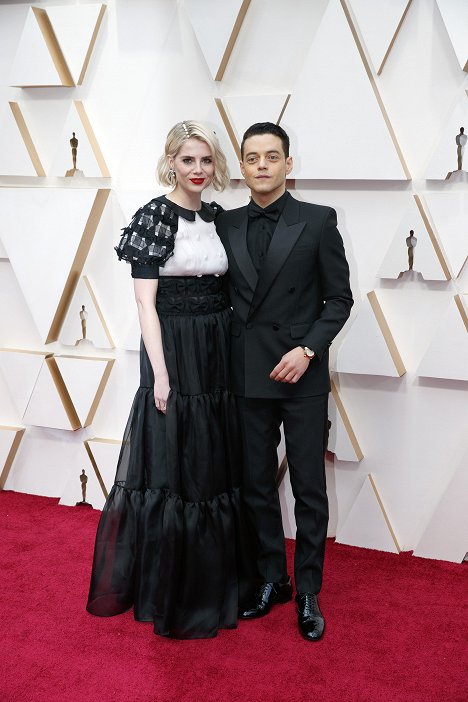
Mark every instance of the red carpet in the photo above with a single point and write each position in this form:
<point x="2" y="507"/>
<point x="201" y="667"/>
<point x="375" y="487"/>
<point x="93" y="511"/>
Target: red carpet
<point x="397" y="630"/>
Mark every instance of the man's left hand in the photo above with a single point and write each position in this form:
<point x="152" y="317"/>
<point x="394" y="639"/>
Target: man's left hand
<point x="292" y="366"/>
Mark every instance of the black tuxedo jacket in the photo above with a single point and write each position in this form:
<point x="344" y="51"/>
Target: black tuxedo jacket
<point x="300" y="297"/>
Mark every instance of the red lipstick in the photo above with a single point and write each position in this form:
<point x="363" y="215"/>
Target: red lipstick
<point x="197" y="181"/>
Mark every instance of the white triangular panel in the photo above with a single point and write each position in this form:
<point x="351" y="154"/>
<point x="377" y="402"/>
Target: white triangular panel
<point x="447" y="355"/>
<point x="45" y="408"/>
<point x="213" y="22"/>
<point x="14" y="157"/>
<point x="455" y="16"/>
<point x="378" y="23"/>
<point x="82" y="377"/>
<point x="43" y="254"/>
<point x="105" y="453"/>
<point x="333" y="117"/>
<point x="425" y="259"/>
<point x="364" y="350"/>
<point x="446" y="535"/>
<point x="33" y="64"/>
<point x="444" y="159"/>
<point x="342" y="440"/>
<point x="71" y="332"/>
<point x="62" y="160"/>
<point x="366" y="524"/>
<point x="449" y="212"/>
<point x="72" y="492"/>
<point x="240" y="108"/>
<point x="74" y="28"/>
<point x="20" y="370"/>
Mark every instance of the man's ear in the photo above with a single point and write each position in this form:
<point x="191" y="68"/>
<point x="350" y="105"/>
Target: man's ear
<point x="241" y="164"/>
<point x="289" y="165"/>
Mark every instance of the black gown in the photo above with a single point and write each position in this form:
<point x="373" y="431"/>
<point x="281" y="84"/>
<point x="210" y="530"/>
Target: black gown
<point x="171" y="540"/>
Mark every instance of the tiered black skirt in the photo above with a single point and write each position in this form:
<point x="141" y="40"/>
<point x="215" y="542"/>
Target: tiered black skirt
<point x="171" y="540"/>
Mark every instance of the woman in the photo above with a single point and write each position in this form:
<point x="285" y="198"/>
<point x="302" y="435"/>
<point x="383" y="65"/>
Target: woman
<point x="169" y="541"/>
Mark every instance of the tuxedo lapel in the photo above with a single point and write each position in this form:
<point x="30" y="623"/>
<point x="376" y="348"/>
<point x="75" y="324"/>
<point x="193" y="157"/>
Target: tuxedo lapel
<point x="238" y="241"/>
<point x="282" y="242"/>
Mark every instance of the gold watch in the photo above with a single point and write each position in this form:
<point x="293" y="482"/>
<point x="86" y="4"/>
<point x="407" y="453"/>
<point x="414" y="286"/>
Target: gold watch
<point x="308" y="353"/>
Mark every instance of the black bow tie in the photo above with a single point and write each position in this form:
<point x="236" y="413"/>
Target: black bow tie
<point x="256" y="211"/>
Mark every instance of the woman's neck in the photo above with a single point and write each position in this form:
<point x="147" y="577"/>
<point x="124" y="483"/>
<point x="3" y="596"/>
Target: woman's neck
<point x="189" y="201"/>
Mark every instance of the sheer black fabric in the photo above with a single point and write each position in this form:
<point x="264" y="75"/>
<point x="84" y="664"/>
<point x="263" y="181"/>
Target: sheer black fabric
<point x="171" y="539"/>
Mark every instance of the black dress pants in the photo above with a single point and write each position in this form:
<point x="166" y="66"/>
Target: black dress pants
<point x="305" y="422"/>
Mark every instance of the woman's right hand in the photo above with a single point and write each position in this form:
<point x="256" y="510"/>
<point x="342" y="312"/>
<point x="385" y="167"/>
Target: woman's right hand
<point x="161" y="391"/>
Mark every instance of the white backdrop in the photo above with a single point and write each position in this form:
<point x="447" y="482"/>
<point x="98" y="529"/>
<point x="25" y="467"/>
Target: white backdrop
<point x="363" y="142"/>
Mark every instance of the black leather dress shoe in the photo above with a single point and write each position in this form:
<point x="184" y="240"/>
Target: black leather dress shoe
<point x="267" y="595"/>
<point x="310" y="618"/>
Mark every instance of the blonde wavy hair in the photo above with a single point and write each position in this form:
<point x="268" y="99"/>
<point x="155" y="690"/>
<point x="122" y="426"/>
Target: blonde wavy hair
<point x="178" y="135"/>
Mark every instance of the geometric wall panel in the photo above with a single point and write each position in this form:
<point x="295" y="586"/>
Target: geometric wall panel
<point x="20" y="370"/>
<point x="379" y="24"/>
<point x="455" y="16"/>
<point x="426" y="259"/>
<point x="10" y="439"/>
<point x="104" y="454"/>
<point x="50" y="404"/>
<point x="89" y="155"/>
<point x="449" y="212"/>
<point x="216" y="26"/>
<point x="445" y="159"/>
<point x="342" y="440"/>
<point x="446" y="535"/>
<point x="48" y="256"/>
<point x="447" y="355"/>
<point x="76" y="29"/>
<point x="97" y="331"/>
<point x="237" y="110"/>
<point x="367" y="524"/>
<point x="85" y="378"/>
<point x="15" y="158"/>
<point x="39" y="61"/>
<point x="369" y="348"/>
<point x="335" y="111"/>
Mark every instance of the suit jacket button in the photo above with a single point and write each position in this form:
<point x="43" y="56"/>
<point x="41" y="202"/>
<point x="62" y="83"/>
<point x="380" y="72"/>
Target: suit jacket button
<point x="249" y="325"/>
<point x="236" y="290"/>
<point x="291" y="290"/>
<point x="275" y="327"/>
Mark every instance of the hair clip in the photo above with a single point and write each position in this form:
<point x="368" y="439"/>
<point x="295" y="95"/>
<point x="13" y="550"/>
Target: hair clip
<point x="185" y="128"/>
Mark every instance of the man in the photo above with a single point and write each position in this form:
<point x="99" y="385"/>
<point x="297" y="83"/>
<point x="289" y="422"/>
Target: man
<point x="289" y="288"/>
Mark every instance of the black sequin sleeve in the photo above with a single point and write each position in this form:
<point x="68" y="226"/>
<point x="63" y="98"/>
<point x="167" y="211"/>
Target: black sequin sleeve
<point x="149" y="238"/>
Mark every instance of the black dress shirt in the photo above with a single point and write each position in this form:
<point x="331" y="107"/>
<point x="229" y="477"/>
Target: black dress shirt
<point x="262" y="224"/>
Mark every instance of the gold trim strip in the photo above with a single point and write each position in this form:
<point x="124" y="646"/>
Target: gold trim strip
<point x="375" y="88"/>
<point x="387" y="520"/>
<point x="96" y="469"/>
<point x="99" y="393"/>
<point x="228" y="127"/>
<point x="92" y="139"/>
<point x="78" y="263"/>
<point x="345" y="419"/>
<point x="63" y="393"/>
<point x="232" y="40"/>
<point x="53" y="47"/>
<point x="390" y="46"/>
<point x="432" y="236"/>
<point x="91" y="44"/>
<point x="11" y="453"/>
<point x="386" y="333"/>
<point x="284" y="109"/>
<point x="26" y="136"/>
<point x="461" y="308"/>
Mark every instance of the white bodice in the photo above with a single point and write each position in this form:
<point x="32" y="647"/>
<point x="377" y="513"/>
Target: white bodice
<point x="197" y="251"/>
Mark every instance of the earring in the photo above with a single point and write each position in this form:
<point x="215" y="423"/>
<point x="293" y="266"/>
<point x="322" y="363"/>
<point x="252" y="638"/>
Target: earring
<point x="171" y="176"/>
